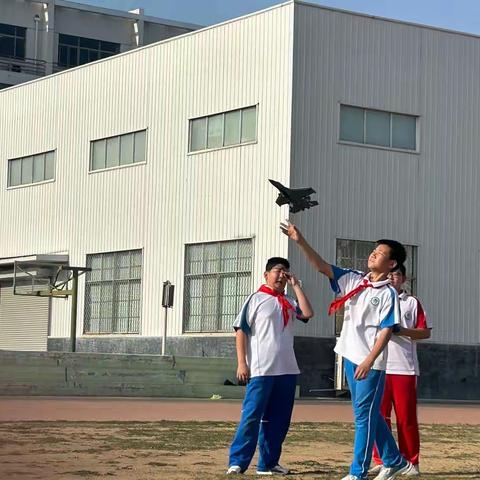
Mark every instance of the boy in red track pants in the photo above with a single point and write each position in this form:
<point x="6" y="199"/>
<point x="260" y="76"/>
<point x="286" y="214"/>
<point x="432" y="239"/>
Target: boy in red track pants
<point x="402" y="371"/>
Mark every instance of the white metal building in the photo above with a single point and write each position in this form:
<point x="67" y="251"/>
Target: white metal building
<point x="40" y="37"/>
<point x="153" y="165"/>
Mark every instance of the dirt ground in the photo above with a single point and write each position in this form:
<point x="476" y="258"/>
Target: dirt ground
<point x="172" y="450"/>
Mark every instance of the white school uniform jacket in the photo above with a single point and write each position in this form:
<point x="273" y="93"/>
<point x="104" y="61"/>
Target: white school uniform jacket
<point x="270" y="343"/>
<point x="368" y="312"/>
<point x="402" y="351"/>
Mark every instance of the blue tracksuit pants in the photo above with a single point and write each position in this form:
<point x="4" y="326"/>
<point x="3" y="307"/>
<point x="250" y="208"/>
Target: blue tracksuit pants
<point x="266" y="413"/>
<point x="370" y="426"/>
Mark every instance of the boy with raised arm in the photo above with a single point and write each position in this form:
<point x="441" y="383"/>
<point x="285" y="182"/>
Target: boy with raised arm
<point x="371" y="311"/>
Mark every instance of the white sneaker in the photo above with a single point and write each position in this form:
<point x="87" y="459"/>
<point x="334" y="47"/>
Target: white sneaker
<point x="234" y="470"/>
<point x="351" y="477"/>
<point x="414" y="472"/>
<point x="276" y="470"/>
<point x="375" y="469"/>
<point x="388" y="473"/>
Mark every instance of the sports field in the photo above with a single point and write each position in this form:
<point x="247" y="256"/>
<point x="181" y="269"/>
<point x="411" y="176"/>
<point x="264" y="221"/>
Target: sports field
<point x="181" y="450"/>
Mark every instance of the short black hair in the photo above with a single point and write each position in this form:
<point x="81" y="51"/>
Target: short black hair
<point x="397" y="250"/>
<point x="400" y="268"/>
<point x="272" y="262"/>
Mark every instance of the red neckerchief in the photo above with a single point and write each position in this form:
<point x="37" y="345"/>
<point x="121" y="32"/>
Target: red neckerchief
<point x="338" y="302"/>
<point x="284" y="303"/>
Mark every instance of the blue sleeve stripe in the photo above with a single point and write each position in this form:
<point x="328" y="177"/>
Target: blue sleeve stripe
<point x="389" y="319"/>
<point x="337" y="274"/>
<point x="244" y="326"/>
<point x="298" y="312"/>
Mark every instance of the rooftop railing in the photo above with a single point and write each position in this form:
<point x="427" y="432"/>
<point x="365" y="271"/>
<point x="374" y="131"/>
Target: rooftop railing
<point x="29" y="66"/>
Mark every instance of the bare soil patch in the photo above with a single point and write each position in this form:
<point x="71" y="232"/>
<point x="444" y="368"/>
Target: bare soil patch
<point x="199" y="450"/>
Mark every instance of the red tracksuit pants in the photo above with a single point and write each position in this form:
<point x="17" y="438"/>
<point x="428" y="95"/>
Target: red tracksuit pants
<point x="401" y="394"/>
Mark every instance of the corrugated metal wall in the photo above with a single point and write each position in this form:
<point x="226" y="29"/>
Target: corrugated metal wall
<point x="23" y="321"/>
<point x="428" y="199"/>
<point x="175" y="198"/>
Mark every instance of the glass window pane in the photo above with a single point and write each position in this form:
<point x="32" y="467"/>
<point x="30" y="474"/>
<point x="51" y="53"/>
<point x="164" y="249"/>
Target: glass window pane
<point x="49" y="165"/>
<point x="92" y="55"/>
<point x="198" y="134"/>
<point x="83" y="56"/>
<point x="67" y="39"/>
<point x="15" y="174"/>
<point x="39" y="168"/>
<point x="72" y="57"/>
<point x="211" y="257"/>
<point x="249" y="124"/>
<point x="27" y="170"/>
<point x="89" y="43"/>
<point x="62" y="55"/>
<point x="351" y="124"/>
<point x="7" y="29"/>
<point x="232" y="128"/>
<point x="377" y="129"/>
<point x="139" y="153"/>
<point x="215" y="131"/>
<point x="113" y="152"/>
<point x="7" y="46"/>
<point x="110" y="46"/>
<point x="404" y="131"/>
<point x="98" y="154"/>
<point x="20" y="47"/>
<point x="126" y="149"/>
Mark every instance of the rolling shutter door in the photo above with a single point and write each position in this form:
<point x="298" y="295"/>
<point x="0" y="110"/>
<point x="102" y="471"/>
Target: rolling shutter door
<point x="23" y="321"/>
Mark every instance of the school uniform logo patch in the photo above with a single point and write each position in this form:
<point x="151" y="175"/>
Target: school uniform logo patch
<point x="408" y="315"/>
<point x="375" y="301"/>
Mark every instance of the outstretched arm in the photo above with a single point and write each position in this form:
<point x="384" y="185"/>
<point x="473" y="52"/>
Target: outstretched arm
<point x="312" y="256"/>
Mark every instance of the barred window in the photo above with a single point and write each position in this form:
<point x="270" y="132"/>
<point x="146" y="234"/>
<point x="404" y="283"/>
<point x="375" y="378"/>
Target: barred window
<point x="354" y="254"/>
<point x="113" y="292"/>
<point x="217" y="281"/>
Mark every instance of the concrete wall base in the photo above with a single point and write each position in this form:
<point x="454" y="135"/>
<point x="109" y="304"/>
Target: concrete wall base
<point x="447" y="371"/>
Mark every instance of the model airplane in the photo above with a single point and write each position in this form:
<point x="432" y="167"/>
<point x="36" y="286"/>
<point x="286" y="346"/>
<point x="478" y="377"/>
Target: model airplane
<point x="297" y="198"/>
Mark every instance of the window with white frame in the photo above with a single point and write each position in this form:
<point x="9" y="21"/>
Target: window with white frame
<point x="32" y="169"/>
<point x="113" y="292"/>
<point x="223" y="129"/>
<point x="217" y="281"/>
<point x="118" y="151"/>
<point x="378" y="128"/>
<point x="354" y="254"/>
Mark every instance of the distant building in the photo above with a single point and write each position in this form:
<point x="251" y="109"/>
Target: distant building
<point x="38" y="38"/>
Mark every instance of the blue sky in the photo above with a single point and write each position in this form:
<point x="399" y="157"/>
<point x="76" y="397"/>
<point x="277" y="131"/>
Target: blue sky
<point x="463" y="15"/>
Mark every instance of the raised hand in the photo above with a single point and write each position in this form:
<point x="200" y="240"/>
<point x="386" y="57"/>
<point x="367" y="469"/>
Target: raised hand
<point x="292" y="280"/>
<point x="290" y="230"/>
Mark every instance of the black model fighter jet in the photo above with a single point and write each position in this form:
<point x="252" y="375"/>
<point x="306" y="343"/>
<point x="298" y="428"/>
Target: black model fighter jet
<point x="297" y="198"/>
